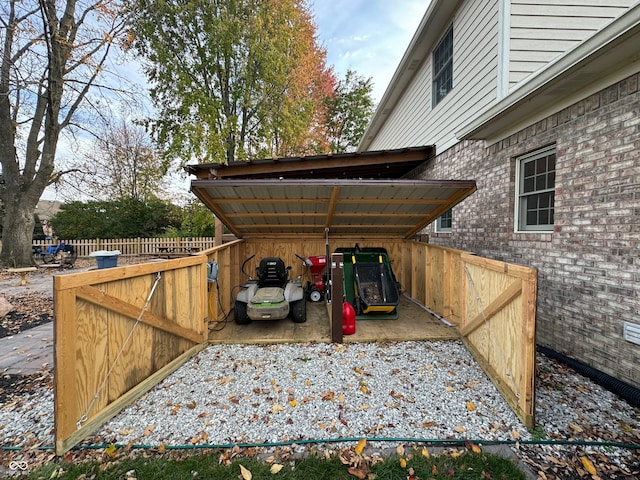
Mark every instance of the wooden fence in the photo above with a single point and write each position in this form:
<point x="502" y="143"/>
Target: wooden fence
<point x="136" y="246"/>
<point x="492" y="303"/>
<point x="119" y="331"/>
<point x="98" y="372"/>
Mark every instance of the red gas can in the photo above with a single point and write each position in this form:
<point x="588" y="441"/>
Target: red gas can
<point x="348" y="319"/>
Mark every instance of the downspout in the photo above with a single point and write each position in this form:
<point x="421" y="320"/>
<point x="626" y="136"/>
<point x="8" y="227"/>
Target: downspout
<point x="504" y="46"/>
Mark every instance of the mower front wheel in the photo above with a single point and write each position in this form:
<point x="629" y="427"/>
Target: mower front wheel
<point x="299" y="311"/>
<point x="240" y="313"/>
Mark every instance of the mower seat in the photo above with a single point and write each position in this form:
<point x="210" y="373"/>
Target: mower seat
<point x="272" y="273"/>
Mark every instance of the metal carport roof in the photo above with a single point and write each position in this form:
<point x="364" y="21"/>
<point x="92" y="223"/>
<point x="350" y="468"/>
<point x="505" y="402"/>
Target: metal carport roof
<point x="393" y="208"/>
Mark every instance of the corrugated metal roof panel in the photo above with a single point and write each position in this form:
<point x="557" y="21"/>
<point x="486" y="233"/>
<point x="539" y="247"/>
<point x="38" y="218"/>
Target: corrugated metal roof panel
<point x="286" y="207"/>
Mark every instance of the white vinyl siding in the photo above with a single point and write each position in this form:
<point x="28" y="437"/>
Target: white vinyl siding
<point x="413" y="121"/>
<point x="543" y="30"/>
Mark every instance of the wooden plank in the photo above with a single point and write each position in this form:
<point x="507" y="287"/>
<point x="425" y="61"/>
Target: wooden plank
<point x="104" y="275"/>
<point x="337" y="295"/>
<point x="511" y="269"/>
<point x="494" y="307"/>
<point x="414" y="323"/>
<point x="67" y="407"/>
<point x="93" y="295"/>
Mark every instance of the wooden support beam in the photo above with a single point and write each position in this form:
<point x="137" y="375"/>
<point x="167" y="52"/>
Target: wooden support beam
<point x="494" y="307"/>
<point x="93" y="295"/>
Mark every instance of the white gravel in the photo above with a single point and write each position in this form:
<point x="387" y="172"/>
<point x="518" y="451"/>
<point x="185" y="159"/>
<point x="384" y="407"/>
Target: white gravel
<point x="249" y="394"/>
<point x="254" y="394"/>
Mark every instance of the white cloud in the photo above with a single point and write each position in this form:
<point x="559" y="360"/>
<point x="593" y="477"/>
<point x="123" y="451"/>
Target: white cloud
<point x="368" y="36"/>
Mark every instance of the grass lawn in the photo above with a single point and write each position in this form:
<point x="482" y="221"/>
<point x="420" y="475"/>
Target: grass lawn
<point x="414" y="465"/>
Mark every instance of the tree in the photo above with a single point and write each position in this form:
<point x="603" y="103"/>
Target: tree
<point x="349" y="111"/>
<point x="232" y="79"/>
<point x="122" y="163"/>
<point x="53" y="52"/>
<point x="123" y="218"/>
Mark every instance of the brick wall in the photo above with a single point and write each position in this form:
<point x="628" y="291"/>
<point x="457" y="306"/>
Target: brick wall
<point x="589" y="266"/>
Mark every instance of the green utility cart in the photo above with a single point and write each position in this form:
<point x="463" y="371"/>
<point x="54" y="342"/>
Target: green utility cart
<point x="369" y="283"/>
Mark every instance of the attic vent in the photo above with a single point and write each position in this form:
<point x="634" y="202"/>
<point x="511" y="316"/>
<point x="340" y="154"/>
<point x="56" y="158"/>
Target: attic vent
<point x="414" y="64"/>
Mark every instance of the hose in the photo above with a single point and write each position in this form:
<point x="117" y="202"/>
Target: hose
<point x="431" y="441"/>
<point x="620" y="388"/>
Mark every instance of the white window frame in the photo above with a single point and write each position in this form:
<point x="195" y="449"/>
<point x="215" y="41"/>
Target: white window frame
<point x="520" y="213"/>
<point x="440" y="228"/>
<point x="447" y="68"/>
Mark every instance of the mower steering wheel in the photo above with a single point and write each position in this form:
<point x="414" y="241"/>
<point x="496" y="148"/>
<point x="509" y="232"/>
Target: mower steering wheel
<point x="243" y="265"/>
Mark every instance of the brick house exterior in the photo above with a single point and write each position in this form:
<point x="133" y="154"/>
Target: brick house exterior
<point x="551" y="135"/>
<point x="589" y="266"/>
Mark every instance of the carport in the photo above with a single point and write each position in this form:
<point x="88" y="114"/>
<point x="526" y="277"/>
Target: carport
<point x="121" y="330"/>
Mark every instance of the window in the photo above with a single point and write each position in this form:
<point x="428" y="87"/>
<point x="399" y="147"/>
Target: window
<point x="536" y="185"/>
<point x="443" y="67"/>
<point x="443" y="224"/>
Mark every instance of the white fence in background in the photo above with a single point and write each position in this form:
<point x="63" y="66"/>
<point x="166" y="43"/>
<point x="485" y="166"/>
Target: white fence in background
<point x="137" y="246"/>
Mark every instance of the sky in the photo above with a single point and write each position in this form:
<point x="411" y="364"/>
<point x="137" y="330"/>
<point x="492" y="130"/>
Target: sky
<point x="367" y="36"/>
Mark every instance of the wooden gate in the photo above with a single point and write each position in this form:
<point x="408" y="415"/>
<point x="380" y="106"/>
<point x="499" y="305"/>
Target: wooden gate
<point x="118" y="332"/>
<point x="498" y="327"/>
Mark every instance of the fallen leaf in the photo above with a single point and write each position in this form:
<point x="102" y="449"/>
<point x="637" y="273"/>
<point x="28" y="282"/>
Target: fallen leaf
<point x="328" y="396"/>
<point x="277" y="408"/>
<point x="356" y="472"/>
<point x="576" y="428"/>
<point x="588" y="465"/>
<point x="275" y="468"/>
<point x="403" y="463"/>
<point x="470" y="406"/>
<point x="148" y="430"/>
<point x="112" y="451"/>
<point x="246" y="474"/>
<point x="293" y="402"/>
<point x="460" y="428"/>
<point x="360" y="446"/>
<point x="191" y="405"/>
<point x="400" y="450"/>
<point x="428" y="424"/>
<point x="425" y="452"/>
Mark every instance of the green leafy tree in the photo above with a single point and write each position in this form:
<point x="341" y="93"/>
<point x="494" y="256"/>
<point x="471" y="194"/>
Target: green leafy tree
<point x="124" y="218"/>
<point x="349" y="111"/>
<point x="197" y="221"/>
<point x="53" y="53"/>
<point x="231" y="79"/>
